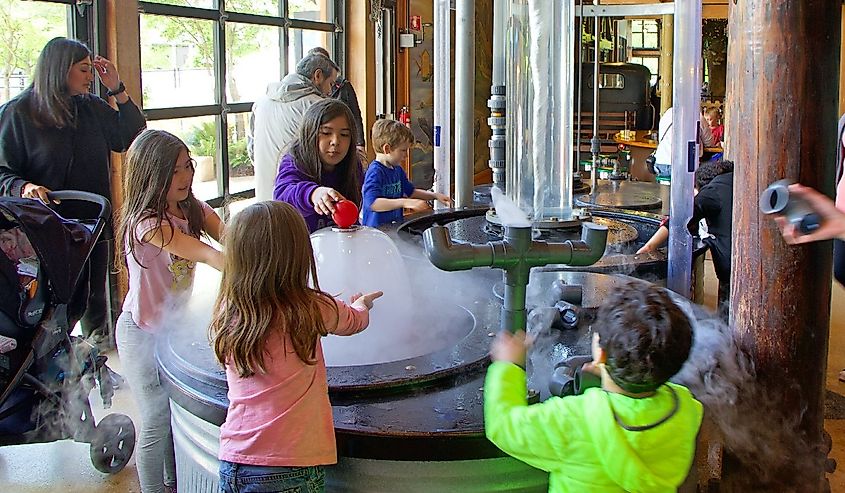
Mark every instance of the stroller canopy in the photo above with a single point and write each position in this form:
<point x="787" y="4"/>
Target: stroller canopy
<point x="62" y="245"/>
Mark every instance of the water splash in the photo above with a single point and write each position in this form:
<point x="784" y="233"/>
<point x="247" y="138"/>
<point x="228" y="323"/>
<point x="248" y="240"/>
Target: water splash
<point x="508" y="212"/>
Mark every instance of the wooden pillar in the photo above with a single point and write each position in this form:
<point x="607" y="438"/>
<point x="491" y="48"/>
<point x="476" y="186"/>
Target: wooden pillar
<point x="360" y="50"/>
<point x="783" y="66"/>
<point x="123" y="48"/>
<point x="667" y="50"/>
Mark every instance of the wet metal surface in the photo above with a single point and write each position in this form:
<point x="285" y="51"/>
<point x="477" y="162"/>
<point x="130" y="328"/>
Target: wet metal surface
<point x="623" y="194"/>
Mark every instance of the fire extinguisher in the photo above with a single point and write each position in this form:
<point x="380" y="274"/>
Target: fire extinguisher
<point x="405" y="116"/>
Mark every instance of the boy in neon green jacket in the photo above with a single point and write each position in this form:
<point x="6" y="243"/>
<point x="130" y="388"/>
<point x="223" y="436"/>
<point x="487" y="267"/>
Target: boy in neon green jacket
<point x="636" y="433"/>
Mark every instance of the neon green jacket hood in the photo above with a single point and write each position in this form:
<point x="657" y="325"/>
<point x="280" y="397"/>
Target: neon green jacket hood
<point x="579" y="442"/>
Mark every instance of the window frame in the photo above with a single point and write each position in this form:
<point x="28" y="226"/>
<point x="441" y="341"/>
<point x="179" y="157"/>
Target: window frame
<point x="220" y="109"/>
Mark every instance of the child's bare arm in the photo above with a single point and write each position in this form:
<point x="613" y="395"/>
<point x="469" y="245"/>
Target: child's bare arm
<point x="383" y="205"/>
<point x="213" y="225"/>
<point x="656" y="241"/>
<point x="426" y="195"/>
<point x="185" y="246"/>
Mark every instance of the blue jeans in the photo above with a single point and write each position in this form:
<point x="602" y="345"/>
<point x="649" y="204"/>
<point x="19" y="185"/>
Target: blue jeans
<point x="241" y="478"/>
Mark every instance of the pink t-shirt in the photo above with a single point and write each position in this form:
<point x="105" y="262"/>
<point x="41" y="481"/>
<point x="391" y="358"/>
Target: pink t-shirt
<point x="283" y="417"/>
<point x="159" y="288"/>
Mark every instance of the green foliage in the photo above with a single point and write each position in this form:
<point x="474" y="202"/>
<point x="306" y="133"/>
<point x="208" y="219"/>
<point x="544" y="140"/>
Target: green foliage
<point x="202" y="139"/>
<point x="237" y="154"/>
<point x="25" y="27"/>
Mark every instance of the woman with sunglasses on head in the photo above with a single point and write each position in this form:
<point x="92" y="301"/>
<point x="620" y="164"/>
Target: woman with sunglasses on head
<point x="56" y="135"/>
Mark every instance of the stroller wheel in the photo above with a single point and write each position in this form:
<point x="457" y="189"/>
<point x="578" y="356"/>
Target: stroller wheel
<point x="112" y="443"/>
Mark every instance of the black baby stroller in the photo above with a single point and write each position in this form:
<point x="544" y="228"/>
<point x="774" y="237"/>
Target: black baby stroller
<point x="46" y="374"/>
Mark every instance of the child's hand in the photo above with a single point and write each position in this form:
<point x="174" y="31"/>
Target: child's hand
<point x="365" y="300"/>
<point x="417" y="205"/>
<point x="833" y="219"/>
<point x="324" y="199"/>
<point x="443" y="199"/>
<point x="591" y="367"/>
<point x="510" y="347"/>
<point x="645" y="249"/>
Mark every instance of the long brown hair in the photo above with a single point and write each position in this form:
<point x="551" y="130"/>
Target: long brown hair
<point x="50" y="103"/>
<point x="267" y="267"/>
<point x="306" y="152"/>
<point x="150" y="162"/>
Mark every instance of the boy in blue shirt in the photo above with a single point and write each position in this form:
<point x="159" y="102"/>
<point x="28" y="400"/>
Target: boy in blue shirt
<point x="386" y="187"/>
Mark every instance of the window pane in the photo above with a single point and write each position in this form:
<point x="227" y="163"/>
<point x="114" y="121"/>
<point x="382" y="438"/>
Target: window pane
<point x="30" y="25"/>
<point x="200" y="136"/>
<point x="177" y="61"/>
<point x="263" y="7"/>
<point x="301" y="40"/>
<point x="241" y="173"/>
<point x="203" y="4"/>
<point x="312" y="10"/>
<point x="653" y="64"/>
<point x="254" y="60"/>
<point x="650" y="40"/>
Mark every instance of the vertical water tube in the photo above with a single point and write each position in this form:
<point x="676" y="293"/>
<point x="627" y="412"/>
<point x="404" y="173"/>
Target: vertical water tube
<point x="442" y="100"/>
<point x="541" y="26"/>
<point x="686" y="95"/>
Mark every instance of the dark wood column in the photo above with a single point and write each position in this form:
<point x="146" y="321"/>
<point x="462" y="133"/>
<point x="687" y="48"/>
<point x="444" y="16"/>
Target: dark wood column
<point x="783" y="76"/>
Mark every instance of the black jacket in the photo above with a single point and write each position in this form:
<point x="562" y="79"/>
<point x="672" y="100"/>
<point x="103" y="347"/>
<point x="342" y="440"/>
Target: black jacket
<point x="72" y="158"/>
<point x="714" y="204"/>
<point x="344" y="91"/>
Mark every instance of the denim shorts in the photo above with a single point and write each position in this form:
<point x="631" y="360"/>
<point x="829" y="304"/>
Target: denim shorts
<point x="241" y="478"/>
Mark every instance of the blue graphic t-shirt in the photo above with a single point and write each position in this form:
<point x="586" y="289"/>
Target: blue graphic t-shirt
<point x="384" y="182"/>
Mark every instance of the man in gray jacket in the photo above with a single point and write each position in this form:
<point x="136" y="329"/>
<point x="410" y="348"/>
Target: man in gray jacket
<point x="275" y="118"/>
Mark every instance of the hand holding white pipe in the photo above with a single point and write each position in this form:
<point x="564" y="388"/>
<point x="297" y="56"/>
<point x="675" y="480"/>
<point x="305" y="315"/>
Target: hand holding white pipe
<point x="832" y="219"/>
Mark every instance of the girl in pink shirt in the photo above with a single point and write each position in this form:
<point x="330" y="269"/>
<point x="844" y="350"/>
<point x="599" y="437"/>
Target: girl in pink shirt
<point x="266" y="331"/>
<point x="160" y="225"/>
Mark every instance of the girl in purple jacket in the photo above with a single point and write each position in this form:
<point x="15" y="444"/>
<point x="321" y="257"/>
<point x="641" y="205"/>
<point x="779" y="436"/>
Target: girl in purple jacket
<point x="321" y="167"/>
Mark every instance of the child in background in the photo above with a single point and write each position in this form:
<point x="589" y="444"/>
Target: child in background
<point x="713" y="117"/>
<point x="713" y="202"/>
<point x="266" y="331"/>
<point x="386" y="188"/>
<point x="635" y="433"/>
<point x="322" y="166"/>
<point x="160" y="225"/>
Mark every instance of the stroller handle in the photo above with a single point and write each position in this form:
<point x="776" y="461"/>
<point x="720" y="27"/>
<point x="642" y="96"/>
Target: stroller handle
<point x="105" y="206"/>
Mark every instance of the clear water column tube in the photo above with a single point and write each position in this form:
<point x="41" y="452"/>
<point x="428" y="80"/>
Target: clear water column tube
<point x="442" y="100"/>
<point x="686" y="95"/>
<point x="540" y="99"/>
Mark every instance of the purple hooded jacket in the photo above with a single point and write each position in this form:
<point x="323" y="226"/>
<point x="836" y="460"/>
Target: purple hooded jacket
<point x="295" y="187"/>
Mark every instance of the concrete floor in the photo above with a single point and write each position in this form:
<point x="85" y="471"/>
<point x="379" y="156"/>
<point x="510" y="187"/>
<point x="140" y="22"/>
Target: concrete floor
<point x="66" y="467"/>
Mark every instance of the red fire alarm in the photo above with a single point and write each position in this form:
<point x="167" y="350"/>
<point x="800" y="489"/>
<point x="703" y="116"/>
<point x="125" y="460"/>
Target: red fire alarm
<point x="416" y="23"/>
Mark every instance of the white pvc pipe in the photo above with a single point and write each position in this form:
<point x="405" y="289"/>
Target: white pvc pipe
<point x="464" y="101"/>
<point x="686" y="95"/>
<point x="442" y="100"/>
